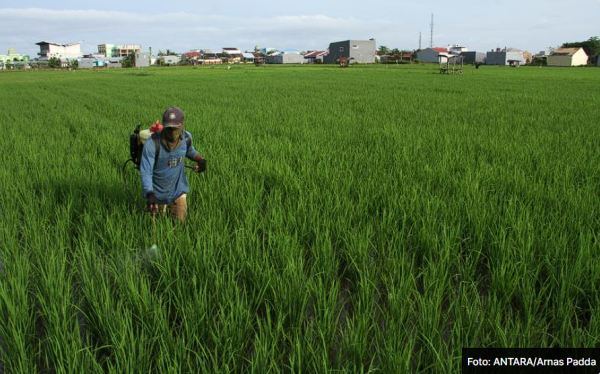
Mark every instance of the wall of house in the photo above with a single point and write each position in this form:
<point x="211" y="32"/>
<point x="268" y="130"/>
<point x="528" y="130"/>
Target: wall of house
<point x="337" y="50"/>
<point x="274" y="59"/>
<point x="559" y="60"/>
<point x="293" y="58"/>
<point x="362" y="51"/>
<point x="495" y="58"/>
<point x="86" y="63"/>
<point x="59" y="51"/>
<point x="428" y="55"/>
<point x="472" y="57"/>
<point x="142" y="60"/>
<point x="580" y="58"/>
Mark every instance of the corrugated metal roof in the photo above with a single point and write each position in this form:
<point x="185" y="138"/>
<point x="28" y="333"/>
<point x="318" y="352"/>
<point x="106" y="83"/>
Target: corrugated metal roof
<point x="315" y="53"/>
<point x="565" y="51"/>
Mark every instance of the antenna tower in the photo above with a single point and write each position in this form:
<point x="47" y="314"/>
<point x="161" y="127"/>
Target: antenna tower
<point x="431" y="37"/>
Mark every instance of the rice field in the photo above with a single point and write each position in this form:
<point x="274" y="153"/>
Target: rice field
<point x="360" y="220"/>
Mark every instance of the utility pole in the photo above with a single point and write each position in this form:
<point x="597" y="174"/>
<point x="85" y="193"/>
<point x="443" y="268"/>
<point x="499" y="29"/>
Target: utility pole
<point x="431" y="38"/>
<point x="419" y="40"/>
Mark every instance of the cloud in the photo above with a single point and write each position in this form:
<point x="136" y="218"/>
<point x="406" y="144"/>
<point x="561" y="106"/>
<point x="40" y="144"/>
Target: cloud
<point x="178" y="31"/>
<point x="531" y="25"/>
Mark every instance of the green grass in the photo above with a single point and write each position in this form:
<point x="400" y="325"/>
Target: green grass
<point x="359" y="220"/>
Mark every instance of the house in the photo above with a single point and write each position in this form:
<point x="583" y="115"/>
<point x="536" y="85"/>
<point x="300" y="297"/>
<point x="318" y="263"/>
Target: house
<point x="285" y="58"/>
<point x="473" y="57"/>
<point x="208" y="53"/>
<point x="232" y="54"/>
<point x="113" y="62"/>
<point x="49" y="50"/>
<point x="568" y="57"/>
<point x="169" y="60"/>
<point x="114" y="50"/>
<point x="503" y="57"/>
<point x="66" y="62"/>
<point x="144" y="60"/>
<point x="406" y="56"/>
<point x="248" y="57"/>
<point x="361" y="51"/>
<point x="210" y="61"/>
<point x="314" y="57"/>
<point x="87" y="63"/>
<point x="598" y="64"/>
<point x="192" y="54"/>
<point x="456" y="49"/>
<point x="396" y="58"/>
<point x="432" y="55"/>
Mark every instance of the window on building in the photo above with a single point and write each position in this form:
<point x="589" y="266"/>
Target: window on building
<point x="354" y="46"/>
<point x="341" y="49"/>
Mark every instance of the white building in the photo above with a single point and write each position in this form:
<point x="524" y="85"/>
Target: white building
<point x="568" y="57"/>
<point x="457" y="49"/>
<point x="114" y="50"/>
<point x="61" y="51"/>
<point x="169" y="60"/>
<point x="285" y="58"/>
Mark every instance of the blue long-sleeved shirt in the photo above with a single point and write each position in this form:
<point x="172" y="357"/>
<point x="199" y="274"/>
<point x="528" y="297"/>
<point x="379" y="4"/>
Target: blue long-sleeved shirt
<point x="167" y="178"/>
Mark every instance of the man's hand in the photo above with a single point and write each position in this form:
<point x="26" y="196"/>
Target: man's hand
<point x="201" y="164"/>
<point x="152" y="203"/>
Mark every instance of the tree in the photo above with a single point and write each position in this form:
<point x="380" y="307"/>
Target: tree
<point x="129" y="61"/>
<point x="185" y="60"/>
<point x="395" y="51"/>
<point x="74" y="64"/>
<point x="383" y="50"/>
<point x="53" y="63"/>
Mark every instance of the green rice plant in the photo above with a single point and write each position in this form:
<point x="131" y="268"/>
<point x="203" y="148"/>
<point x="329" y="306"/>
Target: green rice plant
<point x="374" y="219"/>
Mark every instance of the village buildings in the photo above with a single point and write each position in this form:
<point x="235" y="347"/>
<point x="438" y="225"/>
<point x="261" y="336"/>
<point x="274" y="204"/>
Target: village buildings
<point x="354" y="51"/>
<point x="568" y="57"/>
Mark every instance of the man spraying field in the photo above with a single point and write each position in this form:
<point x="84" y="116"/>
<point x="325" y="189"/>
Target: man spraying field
<point x="162" y="171"/>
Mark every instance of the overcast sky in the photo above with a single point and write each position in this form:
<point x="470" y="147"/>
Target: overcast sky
<point x="182" y="25"/>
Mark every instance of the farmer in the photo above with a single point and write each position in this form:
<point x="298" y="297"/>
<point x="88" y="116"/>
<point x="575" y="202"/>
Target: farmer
<point x="164" y="182"/>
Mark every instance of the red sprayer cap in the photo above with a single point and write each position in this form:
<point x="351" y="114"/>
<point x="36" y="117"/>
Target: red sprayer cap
<point x="156" y="127"/>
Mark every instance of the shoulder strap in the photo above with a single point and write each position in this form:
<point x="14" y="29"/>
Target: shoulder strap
<point x="156" y="140"/>
<point x="188" y="139"/>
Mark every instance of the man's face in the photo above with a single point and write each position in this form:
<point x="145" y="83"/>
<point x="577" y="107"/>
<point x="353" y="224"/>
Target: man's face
<point x="172" y="132"/>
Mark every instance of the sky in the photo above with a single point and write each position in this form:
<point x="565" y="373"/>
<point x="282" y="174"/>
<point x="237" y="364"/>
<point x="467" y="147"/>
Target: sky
<point x="183" y="25"/>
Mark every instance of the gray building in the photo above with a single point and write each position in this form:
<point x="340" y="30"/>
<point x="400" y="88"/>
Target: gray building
<point x="113" y="62"/>
<point x="502" y="57"/>
<point x="362" y="51"/>
<point x="432" y="54"/>
<point x="472" y="57"/>
<point x="285" y="58"/>
<point x="86" y="63"/>
<point x="142" y="59"/>
<point x="598" y="63"/>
